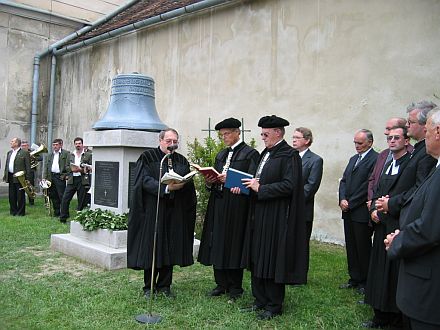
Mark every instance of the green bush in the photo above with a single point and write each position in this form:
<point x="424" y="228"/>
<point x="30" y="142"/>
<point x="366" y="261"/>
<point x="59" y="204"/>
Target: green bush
<point x="95" y="219"/>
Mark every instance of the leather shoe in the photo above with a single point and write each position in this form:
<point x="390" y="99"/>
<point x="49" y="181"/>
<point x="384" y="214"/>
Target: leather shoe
<point x="251" y="308"/>
<point x="166" y="292"/>
<point x="371" y="324"/>
<point x="361" y="302"/>
<point x="347" y="286"/>
<point x="267" y="315"/>
<point x="361" y="290"/>
<point x="147" y="294"/>
<point x="217" y="291"/>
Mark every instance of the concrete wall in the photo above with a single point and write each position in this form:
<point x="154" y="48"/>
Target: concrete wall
<point x="334" y="66"/>
<point x="23" y="34"/>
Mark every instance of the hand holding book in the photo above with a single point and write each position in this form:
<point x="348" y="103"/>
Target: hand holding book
<point x="210" y="173"/>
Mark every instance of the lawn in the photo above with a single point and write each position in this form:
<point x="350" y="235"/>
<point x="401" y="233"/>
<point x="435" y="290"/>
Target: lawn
<point x="43" y="289"/>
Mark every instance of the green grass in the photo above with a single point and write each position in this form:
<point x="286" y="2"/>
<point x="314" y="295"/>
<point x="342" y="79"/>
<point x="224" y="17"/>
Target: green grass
<point x="43" y="289"/>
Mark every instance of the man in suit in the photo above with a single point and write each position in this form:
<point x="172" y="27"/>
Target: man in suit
<point x="77" y="178"/>
<point x="312" y="166"/>
<point x="56" y="173"/>
<point x="420" y="160"/>
<point x="417" y="244"/>
<point x="384" y="157"/>
<point x="353" y="191"/>
<point x="17" y="160"/>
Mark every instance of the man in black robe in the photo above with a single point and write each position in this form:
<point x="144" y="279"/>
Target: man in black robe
<point x="225" y="221"/>
<point x="176" y="216"/>
<point x="380" y="290"/>
<point x="275" y="242"/>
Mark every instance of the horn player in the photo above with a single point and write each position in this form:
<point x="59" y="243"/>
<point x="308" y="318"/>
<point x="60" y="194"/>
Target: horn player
<point x="38" y="158"/>
<point x="17" y="159"/>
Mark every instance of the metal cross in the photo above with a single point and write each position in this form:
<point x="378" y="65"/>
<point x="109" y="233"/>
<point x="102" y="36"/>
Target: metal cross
<point x="243" y="130"/>
<point x="209" y="130"/>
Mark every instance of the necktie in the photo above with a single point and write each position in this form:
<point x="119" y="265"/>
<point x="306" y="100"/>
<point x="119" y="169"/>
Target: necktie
<point x="358" y="161"/>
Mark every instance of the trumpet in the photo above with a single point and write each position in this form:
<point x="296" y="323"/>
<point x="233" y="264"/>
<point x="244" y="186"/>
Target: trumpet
<point x="26" y="185"/>
<point x="45" y="184"/>
<point x="42" y="149"/>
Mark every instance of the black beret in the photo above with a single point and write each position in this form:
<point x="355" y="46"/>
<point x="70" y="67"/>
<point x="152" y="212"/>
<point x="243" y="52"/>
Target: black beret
<point x="228" y="123"/>
<point x="272" y="122"/>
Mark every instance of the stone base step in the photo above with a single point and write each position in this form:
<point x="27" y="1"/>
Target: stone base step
<point x="97" y="254"/>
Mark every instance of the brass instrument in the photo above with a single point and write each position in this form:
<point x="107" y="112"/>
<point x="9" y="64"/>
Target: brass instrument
<point x="26" y="185"/>
<point x="42" y="149"/>
<point x="45" y="184"/>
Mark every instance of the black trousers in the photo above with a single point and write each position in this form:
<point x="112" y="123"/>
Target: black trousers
<point x="162" y="278"/>
<point x="358" y="247"/>
<point x="56" y="192"/>
<point x="230" y="280"/>
<point x="309" y="226"/>
<point x="413" y="324"/>
<point x="17" y="197"/>
<point x="71" y="189"/>
<point x="268" y="294"/>
<point x="389" y="319"/>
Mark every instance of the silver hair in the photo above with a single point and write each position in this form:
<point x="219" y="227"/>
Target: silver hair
<point x="423" y="108"/>
<point x="367" y="132"/>
<point x="162" y="133"/>
<point x="434" y="114"/>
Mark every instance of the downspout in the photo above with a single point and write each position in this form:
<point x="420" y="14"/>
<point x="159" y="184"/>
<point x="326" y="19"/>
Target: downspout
<point x="51" y="48"/>
<point x="53" y="71"/>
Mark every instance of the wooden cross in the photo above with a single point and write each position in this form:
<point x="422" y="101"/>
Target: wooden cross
<point x="243" y="130"/>
<point x="209" y="130"/>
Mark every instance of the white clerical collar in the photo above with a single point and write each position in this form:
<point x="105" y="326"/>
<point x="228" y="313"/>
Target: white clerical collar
<point x="301" y="153"/>
<point x="235" y="144"/>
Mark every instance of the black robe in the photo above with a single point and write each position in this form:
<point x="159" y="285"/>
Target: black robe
<point x="226" y="215"/>
<point x="381" y="287"/>
<point x="176" y="220"/>
<point x="275" y="241"/>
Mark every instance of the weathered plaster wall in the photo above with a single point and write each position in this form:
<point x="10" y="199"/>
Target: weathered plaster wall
<point x="334" y="66"/>
<point x="23" y="34"/>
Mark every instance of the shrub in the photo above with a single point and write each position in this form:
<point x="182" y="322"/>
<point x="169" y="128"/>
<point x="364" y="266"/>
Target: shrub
<point x="94" y="219"/>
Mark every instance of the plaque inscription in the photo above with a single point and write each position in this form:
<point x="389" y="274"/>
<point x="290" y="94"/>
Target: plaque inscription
<point x="106" y="183"/>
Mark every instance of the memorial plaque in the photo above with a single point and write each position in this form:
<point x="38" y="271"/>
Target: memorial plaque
<point x="106" y="183"/>
<point x="131" y="176"/>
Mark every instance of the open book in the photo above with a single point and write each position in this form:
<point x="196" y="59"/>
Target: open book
<point x="75" y="168"/>
<point x="206" y="171"/>
<point x="233" y="179"/>
<point x="173" y="177"/>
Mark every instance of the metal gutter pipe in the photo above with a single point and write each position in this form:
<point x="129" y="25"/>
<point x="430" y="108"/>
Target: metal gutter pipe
<point x="51" y="48"/>
<point x="53" y="71"/>
<point x="147" y="22"/>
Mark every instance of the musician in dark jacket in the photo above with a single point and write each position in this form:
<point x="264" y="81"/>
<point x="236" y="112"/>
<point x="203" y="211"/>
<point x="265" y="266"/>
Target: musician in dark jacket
<point x="275" y="241"/>
<point x="312" y="167"/>
<point x="17" y="160"/>
<point x="176" y="216"/>
<point x="353" y="203"/>
<point x="225" y="221"/>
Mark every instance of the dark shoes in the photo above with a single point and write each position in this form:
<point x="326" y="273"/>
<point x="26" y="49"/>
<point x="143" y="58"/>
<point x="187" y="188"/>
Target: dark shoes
<point x="217" y="291"/>
<point x="162" y="291"/>
<point x="267" y="315"/>
<point x="372" y="325"/>
<point x="361" y="290"/>
<point x="348" y="286"/>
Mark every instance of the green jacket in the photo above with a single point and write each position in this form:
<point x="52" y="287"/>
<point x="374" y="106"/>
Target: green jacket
<point x="86" y="158"/>
<point x="22" y="162"/>
<point x="63" y="162"/>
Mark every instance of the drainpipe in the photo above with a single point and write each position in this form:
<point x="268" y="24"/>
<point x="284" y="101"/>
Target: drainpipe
<point x="51" y="48"/>
<point x="53" y="71"/>
<point x="141" y="24"/>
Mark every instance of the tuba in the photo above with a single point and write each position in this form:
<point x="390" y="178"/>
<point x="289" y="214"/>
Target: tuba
<point x="45" y="184"/>
<point x="42" y="149"/>
<point x="26" y="185"/>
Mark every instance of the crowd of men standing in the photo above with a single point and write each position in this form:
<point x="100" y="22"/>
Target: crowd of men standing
<point x="67" y="172"/>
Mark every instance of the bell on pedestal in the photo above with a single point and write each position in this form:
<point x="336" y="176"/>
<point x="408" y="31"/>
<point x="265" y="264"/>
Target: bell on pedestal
<point x="131" y="105"/>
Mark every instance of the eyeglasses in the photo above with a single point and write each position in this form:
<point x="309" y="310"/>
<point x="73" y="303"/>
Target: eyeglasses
<point x="393" y="137"/>
<point x="171" y="141"/>
<point x="264" y="134"/>
<point x="411" y="122"/>
<point x="297" y="137"/>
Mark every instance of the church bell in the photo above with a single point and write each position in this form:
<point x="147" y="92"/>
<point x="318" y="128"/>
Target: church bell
<point x="131" y="105"/>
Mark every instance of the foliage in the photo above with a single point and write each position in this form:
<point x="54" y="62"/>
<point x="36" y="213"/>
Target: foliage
<point x="204" y="154"/>
<point x="94" y="219"/>
<point x="45" y="289"/>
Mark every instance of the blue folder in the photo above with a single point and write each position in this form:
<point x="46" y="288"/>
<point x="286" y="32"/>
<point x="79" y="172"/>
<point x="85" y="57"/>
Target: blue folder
<point x="233" y="179"/>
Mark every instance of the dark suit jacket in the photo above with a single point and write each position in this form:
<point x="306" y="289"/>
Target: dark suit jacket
<point x="312" y="174"/>
<point x="22" y="162"/>
<point x="421" y="164"/>
<point x="63" y="161"/>
<point x="418" y="247"/>
<point x="354" y="186"/>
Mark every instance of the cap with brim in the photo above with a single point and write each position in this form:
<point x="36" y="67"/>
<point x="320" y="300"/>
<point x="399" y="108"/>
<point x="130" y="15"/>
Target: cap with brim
<point x="228" y="123"/>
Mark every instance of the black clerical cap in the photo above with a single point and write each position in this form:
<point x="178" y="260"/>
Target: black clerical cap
<point x="228" y="123"/>
<point x="272" y="122"/>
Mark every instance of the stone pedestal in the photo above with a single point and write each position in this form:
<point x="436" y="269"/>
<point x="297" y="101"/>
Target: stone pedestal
<point x="115" y="153"/>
